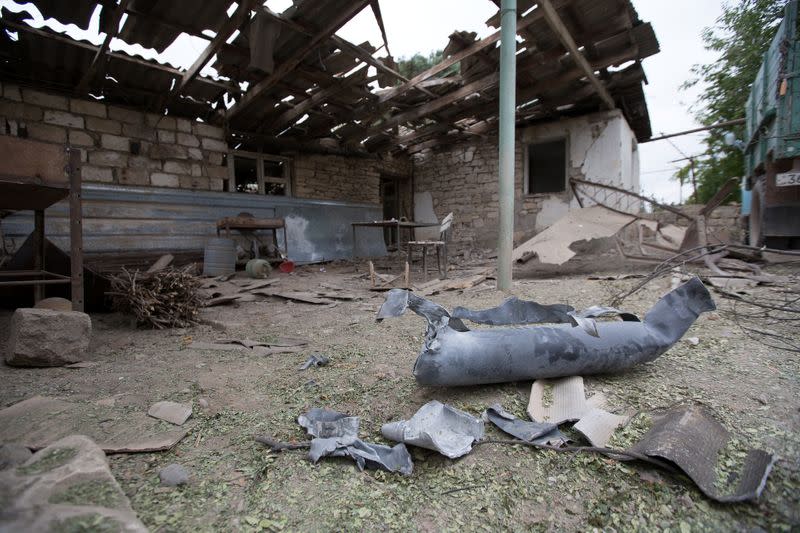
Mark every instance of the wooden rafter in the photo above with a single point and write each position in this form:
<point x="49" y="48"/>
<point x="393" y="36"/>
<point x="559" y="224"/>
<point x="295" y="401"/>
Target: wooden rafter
<point x="289" y="64"/>
<point x="113" y="55"/>
<point x="458" y="56"/>
<point x="558" y="27"/>
<point x="100" y="60"/>
<point x="231" y="25"/>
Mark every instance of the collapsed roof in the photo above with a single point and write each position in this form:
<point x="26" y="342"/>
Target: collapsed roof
<point x="288" y="82"/>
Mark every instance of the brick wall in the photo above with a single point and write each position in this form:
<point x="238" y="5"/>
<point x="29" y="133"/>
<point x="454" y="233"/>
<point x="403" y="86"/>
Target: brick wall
<point x="119" y="145"/>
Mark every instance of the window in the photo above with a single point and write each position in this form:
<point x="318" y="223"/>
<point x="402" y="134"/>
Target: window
<point x="255" y="173"/>
<point x="547" y="167"/>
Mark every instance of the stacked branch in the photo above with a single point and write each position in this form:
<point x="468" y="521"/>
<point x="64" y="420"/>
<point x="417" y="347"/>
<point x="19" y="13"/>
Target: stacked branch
<point x="166" y="298"/>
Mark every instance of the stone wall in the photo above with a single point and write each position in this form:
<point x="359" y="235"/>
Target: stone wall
<point x="464" y="178"/>
<point x="723" y="222"/>
<point x="350" y="179"/>
<point x="119" y="145"/>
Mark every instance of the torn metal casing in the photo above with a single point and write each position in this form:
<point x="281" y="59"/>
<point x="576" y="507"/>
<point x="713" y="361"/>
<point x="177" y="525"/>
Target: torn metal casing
<point x="537" y="432"/>
<point x="453" y="355"/>
<point x="690" y="437"/>
<point x="336" y="435"/>
<point x="438" y="427"/>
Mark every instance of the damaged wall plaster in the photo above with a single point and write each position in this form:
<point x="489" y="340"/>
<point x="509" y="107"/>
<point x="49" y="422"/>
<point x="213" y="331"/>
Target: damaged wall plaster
<point x="463" y="179"/>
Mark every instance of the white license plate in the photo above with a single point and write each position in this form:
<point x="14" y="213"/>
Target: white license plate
<point x="787" y="179"/>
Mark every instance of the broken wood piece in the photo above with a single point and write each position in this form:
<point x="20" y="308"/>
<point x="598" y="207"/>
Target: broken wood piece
<point x="260" y="284"/>
<point x="222" y="300"/>
<point x="219" y="346"/>
<point x="162" y="263"/>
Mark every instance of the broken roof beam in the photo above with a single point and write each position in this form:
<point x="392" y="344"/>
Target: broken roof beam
<point x="460" y="55"/>
<point x="100" y="60"/>
<point x="231" y="25"/>
<point x="289" y="64"/>
<point x="558" y="27"/>
<point x="112" y="55"/>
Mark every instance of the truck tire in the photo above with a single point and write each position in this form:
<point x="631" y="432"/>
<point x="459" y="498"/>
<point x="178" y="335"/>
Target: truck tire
<point x="755" y="222"/>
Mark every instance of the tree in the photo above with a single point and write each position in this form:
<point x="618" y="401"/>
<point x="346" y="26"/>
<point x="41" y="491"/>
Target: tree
<point x="741" y="36"/>
<point x="411" y="66"/>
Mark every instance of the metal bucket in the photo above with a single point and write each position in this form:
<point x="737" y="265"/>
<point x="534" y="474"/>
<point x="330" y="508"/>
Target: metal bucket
<point x="220" y="257"/>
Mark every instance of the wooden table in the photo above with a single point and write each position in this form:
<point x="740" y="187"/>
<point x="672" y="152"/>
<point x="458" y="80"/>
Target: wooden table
<point x="253" y="224"/>
<point x="397" y="224"/>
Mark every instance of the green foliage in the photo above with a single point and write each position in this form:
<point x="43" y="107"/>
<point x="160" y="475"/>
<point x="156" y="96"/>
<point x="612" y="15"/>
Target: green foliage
<point x="741" y="36"/>
<point x="411" y="66"/>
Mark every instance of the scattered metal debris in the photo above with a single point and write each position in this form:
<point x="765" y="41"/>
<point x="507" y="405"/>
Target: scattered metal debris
<point x="438" y="427"/>
<point x="691" y="438"/>
<point x="454" y="355"/>
<point x="538" y="432"/>
<point x="315" y="360"/>
<point x="516" y="311"/>
<point x="336" y="435"/>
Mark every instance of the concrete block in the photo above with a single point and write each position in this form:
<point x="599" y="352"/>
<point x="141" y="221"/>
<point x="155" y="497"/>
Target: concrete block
<point x="193" y="182"/>
<point x="115" y="142"/>
<point x="29" y="96"/>
<point x="12" y="92"/>
<point x="103" y="125"/>
<point x="215" y="158"/>
<point x="197" y="169"/>
<point x="177" y="167"/>
<point x="81" y="138"/>
<point x="187" y="139"/>
<point x="47" y="133"/>
<point x="160" y="179"/>
<point x="195" y="153"/>
<point x="86" y="107"/>
<point x="215" y="184"/>
<point x="161" y="121"/>
<point x="214" y="145"/>
<point x="43" y="337"/>
<point x="128" y="116"/>
<point x="206" y="130"/>
<point x="26" y="112"/>
<point x="184" y="125"/>
<point x="217" y="172"/>
<point x="133" y="176"/>
<point x="168" y="151"/>
<point x="166" y="136"/>
<point x="109" y="159"/>
<point x="140" y="161"/>
<point x="139" y="131"/>
<point x="97" y="174"/>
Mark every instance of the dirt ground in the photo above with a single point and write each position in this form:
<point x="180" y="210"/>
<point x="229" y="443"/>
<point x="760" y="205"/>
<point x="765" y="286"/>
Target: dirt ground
<point x="237" y="485"/>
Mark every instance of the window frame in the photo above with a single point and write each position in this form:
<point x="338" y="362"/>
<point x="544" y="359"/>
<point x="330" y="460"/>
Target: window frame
<point x="526" y="164"/>
<point x="259" y="157"/>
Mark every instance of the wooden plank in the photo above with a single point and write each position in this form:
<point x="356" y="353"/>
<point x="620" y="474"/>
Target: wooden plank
<point x="100" y="59"/>
<point x="435" y="105"/>
<point x="460" y="55"/>
<point x="305" y="106"/>
<point x="235" y="22"/>
<point x="558" y="27"/>
<point x="288" y="66"/>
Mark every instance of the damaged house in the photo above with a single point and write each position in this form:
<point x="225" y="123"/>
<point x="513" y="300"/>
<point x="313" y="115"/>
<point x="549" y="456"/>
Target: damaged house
<point x="301" y="125"/>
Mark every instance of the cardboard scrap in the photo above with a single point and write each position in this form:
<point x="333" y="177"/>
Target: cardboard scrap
<point x="552" y="245"/>
<point x="39" y="421"/>
<point x="570" y="404"/>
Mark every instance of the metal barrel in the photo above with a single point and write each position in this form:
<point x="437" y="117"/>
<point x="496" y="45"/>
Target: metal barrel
<point x="220" y="257"/>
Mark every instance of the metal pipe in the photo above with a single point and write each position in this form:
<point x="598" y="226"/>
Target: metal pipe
<point x="508" y="82"/>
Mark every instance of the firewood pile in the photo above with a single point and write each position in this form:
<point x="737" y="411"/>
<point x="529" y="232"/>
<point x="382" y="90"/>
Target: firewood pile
<point x="167" y="298"/>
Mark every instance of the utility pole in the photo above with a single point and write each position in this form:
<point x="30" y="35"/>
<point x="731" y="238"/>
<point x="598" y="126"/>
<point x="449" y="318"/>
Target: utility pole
<point x="508" y="103"/>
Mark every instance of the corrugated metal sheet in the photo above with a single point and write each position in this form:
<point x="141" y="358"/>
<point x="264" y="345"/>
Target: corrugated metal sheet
<point x="130" y="219"/>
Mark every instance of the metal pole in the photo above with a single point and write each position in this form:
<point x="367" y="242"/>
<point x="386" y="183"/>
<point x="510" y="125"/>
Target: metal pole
<point x="508" y="99"/>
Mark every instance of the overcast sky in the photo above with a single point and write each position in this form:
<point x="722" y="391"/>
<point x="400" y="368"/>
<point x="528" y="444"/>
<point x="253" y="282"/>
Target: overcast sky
<point x="423" y="26"/>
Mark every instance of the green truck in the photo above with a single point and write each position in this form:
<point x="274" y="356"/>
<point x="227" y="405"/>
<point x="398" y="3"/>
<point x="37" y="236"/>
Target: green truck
<point x="772" y="142"/>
